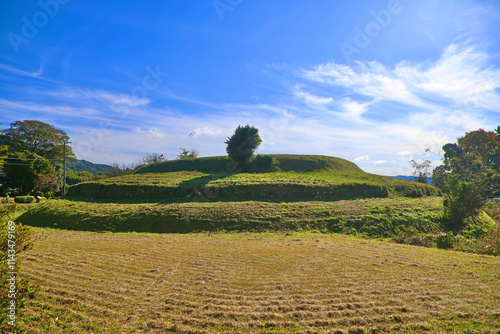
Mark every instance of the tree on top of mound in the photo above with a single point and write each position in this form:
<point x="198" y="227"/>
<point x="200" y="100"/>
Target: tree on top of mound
<point x="242" y="144"/>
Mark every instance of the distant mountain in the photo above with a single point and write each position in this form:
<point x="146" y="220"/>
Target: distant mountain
<point x="84" y="165"/>
<point x="404" y="177"/>
<point x="409" y="178"/>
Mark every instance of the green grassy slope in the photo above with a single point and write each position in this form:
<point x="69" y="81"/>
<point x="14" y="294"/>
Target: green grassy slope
<point x="375" y="217"/>
<point x="289" y="178"/>
<point x="262" y="163"/>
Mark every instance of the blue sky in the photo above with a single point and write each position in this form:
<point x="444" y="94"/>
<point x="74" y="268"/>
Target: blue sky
<point x="374" y="82"/>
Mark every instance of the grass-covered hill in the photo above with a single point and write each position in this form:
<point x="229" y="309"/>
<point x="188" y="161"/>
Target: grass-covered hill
<point x="262" y="163"/>
<point x="275" y="178"/>
<point x="279" y="192"/>
<point x="87" y="166"/>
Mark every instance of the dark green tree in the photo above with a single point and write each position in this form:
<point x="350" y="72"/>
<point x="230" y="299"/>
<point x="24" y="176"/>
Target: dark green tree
<point x="470" y="173"/>
<point x="462" y="200"/>
<point x="37" y="137"/>
<point x="29" y="172"/>
<point x="242" y="144"/>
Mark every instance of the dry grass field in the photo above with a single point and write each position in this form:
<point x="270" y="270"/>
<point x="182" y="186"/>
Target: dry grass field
<point x="255" y="283"/>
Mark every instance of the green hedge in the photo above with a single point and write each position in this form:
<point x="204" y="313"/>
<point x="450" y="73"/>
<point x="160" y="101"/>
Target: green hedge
<point x="24" y="199"/>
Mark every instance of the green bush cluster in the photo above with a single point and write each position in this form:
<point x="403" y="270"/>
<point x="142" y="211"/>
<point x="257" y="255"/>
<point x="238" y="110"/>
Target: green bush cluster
<point x="24" y="199"/>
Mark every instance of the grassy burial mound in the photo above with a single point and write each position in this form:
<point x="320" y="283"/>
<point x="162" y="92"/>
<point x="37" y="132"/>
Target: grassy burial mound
<point x="277" y="193"/>
<point x="274" y="177"/>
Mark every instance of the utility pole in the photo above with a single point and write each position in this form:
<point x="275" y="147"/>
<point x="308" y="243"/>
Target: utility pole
<point x="64" y="170"/>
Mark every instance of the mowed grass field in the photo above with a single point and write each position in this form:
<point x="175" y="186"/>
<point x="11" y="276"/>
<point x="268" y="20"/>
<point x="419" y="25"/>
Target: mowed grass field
<point x="254" y="283"/>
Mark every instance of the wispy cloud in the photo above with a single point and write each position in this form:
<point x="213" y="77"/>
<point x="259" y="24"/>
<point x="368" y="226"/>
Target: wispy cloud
<point x="462" y="75"/>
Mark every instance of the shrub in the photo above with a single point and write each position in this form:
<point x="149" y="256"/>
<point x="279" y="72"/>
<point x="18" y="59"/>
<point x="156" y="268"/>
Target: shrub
<point x="242" y="144"/>
<point x="463" y="200"/>
<point x="445" y="240"/>
<point x="38" y="193"/>
<point x="24" y="199"/>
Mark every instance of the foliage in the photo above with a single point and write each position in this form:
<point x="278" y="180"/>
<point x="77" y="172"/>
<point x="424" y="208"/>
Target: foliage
<point x="151" y="158"/>
<point x="116" y="170"/>
<point x="188" y="154"/>
<point x="422" y="170"/>
<point x="87" y="166"/>
<point x="470" y="174"/>
<point x="30" y="172"/>
<point x="3" y="154"/>
<point x="39" y="138"/>
<point x="24" y="239"/>
<point x="475" y="156"/>
<point x="84" y="176"/>
<point x="24" y="199"/>
<point x="462" y="200"/>
<point x="242" y="144"/>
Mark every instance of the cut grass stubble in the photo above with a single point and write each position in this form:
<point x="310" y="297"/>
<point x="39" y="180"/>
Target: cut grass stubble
<point x="254" y="283"/>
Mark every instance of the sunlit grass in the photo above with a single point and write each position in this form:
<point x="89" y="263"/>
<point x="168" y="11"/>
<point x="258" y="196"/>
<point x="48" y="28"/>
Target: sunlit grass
<point x="255" y="283"/>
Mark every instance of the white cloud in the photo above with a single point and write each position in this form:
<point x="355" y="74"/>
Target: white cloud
<point x="363" y="158"/>
<point x="404" y="153"/>
<point x="462" y="76"/>
<point x="204" y="131"/>
<point x="153" y="133"/>
<point x="311" y="99"/>
<point x="380" y="162"/>
<point x="111" y="99"/>
<point x="354" y="109"/>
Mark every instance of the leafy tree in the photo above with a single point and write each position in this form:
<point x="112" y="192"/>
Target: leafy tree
<point x="188" y="154"/>
<point x="470" y="173"/>
<point x="30" y="172"/>
<point x="152" y="158"/>
<point x="37" y="137"/>
<point x="462" y="200"/>
<point x="477" y="154"/>
<point x="422" y="170"/>
<point x="242" y="144"/>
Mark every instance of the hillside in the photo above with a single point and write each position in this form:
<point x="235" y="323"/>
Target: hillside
<point x="87" y="166"/>
<point x="275" y="178"/>
<point x="262" y="163"/>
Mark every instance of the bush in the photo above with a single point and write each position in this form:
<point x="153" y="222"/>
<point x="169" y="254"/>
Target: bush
<point x="462" y="201"/>
<point x="242" y="144"/>
<point x="38" y="193"/>
<point x="24" y="199"/>
<point x="445" y="241"/>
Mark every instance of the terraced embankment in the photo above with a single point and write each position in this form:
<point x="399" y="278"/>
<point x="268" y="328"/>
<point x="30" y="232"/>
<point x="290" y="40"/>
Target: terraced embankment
<point x="374" y="217"/>
<point x="289" y="186"/>
<point x="250" y="283"/>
